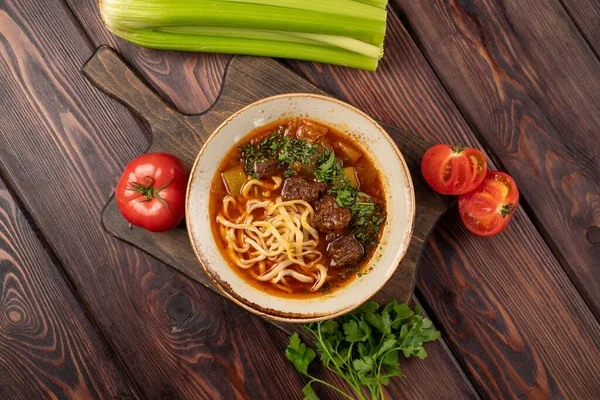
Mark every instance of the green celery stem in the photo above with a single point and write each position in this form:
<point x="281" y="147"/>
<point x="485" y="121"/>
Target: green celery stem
<point x="314" y="39"/>
<point x="336" y="7"/>
<point x="341" y="32"/>
<point x="138" y="14"/>
<point x="268" y="48"/>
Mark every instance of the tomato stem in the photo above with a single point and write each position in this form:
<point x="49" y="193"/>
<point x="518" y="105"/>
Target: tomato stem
<point x="457" y="148"/>
<point x="148" y="191"/>
<point x="506" y="209"/>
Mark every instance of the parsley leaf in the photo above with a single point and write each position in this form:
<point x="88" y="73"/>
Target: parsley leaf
<point x="309" y="393"/>
<point x="326" y="170"/>
<point x="381" y="322"/>
<point x="367" y="216"/>
<point x="345" y="198"/>
<point x="261" y="150"/>
<point x="363" y="365"/>
<point x="357" y="331"/>
<point x="300" y="355"/>
<point x="367" y="307"/>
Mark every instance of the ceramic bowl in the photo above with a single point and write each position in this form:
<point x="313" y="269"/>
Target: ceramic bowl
<point x="398" y="187"/>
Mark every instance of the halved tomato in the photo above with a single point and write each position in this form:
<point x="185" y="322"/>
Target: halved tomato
<point x="453" y="169"/>
<point x="487" y="210"/>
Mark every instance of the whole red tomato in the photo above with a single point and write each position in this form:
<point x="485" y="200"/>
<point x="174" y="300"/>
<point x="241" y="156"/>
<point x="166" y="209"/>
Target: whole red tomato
<point x="151" y="192"/>
<point x="453" y="169"/>
<point x="487" y="210"/>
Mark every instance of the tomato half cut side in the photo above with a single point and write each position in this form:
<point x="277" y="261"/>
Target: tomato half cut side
<point x="487" y="210"/>
<point x="453" y="169"/>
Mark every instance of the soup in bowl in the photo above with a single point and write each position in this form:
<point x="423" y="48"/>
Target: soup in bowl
<point x="300" y="207"/>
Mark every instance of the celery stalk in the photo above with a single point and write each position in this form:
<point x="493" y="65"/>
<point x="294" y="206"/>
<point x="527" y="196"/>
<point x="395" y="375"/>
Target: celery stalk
<point x="335" y="7"/>
<point x="215" y="44"/>
<point x="276" y="36"/>
<point x="313" y="39"/>
<point x="144" y="14"/>
<point x="343" y="32"/>
<point x="343" y="42"/>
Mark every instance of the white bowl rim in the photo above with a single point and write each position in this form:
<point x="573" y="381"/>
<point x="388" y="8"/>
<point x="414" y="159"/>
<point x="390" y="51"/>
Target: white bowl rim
<point x="278" y="315"/>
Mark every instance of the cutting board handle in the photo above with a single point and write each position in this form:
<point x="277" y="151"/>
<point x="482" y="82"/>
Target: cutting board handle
<point x="111" y="74"/>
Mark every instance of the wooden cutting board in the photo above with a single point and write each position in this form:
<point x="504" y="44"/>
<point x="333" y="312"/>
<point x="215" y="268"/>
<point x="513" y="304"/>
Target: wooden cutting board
<point x="246" y="80"/>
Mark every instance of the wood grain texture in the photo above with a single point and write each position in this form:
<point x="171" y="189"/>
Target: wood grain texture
<point x="528" y="83"/>
<point x="521" y="331"/>
<point x="522" y="357"/>
<point x="63" y="145"/>
<point x="48" y="348"/>
<point x="249" y="79"/>
<point x="191" y="81"/>
<point x="586" y="16"/>
<point x="416" y="98"/>
<point x="57" y="135"/>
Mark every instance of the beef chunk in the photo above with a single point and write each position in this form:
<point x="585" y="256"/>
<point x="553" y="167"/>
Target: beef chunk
<point x="267" y="169"/>
<point x="298" y="188"/>
<point x="305" y="130"/>
<point x="345" y="250"/>
<point x="310" y="131"/>
<point x="329" y="216"/>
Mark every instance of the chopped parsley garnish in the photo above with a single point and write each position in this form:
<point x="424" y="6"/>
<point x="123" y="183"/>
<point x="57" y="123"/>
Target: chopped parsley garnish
<point x="326" y="170"/>
<point x="288" y="151"/>
<point x="326" y="288"/>
<point x="366" y="221"/>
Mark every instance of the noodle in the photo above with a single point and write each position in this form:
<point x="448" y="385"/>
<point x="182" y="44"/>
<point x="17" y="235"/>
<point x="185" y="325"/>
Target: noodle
<point x="274" y="240"/>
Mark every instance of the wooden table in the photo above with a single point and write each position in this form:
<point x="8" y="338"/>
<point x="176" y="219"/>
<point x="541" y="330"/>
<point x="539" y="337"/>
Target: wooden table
<point x="83" y="315"/>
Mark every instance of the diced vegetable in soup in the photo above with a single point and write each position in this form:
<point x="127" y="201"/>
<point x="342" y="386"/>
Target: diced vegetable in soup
<point x="298" y="208"/>
<point x="347" y="152"/>
<point x="234" y="178"/>
<point x="350" y="174"/>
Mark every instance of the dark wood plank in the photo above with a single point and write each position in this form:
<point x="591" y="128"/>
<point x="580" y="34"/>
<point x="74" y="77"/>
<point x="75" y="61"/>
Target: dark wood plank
<point x="521" y="329"/>
<point x="502" y="320"/>
<point x="528" y="83"/>
<point x="48" y="348"/>
<point x="58" y="134"/>
<point x="62" y="147"/>
<point x="586" y="15"/>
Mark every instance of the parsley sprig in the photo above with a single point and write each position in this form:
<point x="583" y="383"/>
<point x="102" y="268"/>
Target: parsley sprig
<point x="363" y="347"/>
